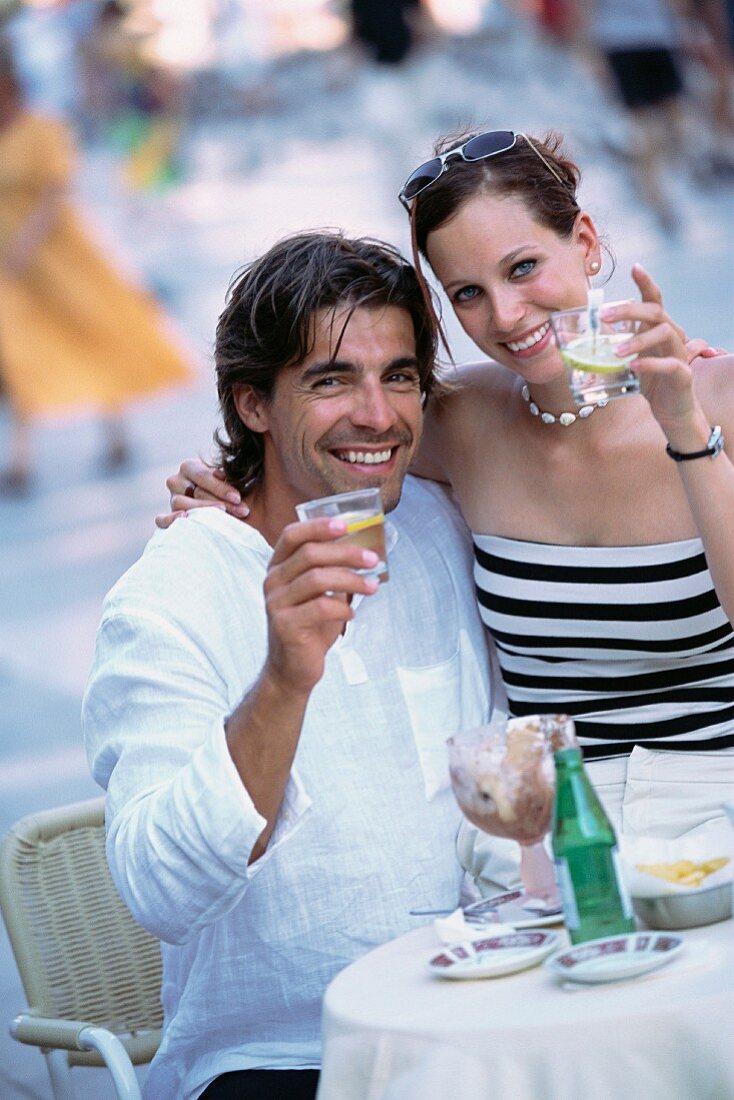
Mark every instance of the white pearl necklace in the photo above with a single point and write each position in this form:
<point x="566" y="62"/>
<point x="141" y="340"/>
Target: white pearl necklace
<point x="566" y="418"/>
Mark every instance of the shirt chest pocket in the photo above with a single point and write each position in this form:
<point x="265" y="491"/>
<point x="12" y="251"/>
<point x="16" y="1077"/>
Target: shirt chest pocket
<point x="442" y="699"/>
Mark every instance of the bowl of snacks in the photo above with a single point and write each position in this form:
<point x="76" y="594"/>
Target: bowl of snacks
<point x="689" y="910"/>
<point x="681" y="883"/>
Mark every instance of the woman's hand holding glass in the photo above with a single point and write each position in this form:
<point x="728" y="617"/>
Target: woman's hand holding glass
<point x="662" y="356"/>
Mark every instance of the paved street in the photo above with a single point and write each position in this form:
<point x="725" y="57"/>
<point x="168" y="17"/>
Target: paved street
<point x="248" y="182"/>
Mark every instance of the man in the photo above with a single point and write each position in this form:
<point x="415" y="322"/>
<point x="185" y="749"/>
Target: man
<point x="270" y="723"/>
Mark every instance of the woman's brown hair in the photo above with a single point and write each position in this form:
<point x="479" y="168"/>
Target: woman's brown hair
<point x="533" y="170"/>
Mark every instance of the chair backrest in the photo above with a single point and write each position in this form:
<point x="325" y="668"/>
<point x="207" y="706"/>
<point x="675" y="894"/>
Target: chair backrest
<point x="80" y="953"/>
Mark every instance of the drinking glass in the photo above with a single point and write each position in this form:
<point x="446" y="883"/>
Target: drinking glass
<point x="596" y="373"/>
<point x="363" y="513"/>
<point x="504" y="781"/>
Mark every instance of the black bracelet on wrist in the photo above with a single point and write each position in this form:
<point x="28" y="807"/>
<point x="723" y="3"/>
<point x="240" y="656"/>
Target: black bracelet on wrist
<point x="714" y="447"/>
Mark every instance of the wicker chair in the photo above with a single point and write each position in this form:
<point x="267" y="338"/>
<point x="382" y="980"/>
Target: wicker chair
<point x="91" y="974"/>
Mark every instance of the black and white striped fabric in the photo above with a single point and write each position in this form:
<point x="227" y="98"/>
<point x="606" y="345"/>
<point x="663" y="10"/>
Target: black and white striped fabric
<point x="629" y="640"/>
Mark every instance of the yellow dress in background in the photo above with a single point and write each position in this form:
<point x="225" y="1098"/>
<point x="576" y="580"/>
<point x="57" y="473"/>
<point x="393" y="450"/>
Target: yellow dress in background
<point x="74" y="333"/>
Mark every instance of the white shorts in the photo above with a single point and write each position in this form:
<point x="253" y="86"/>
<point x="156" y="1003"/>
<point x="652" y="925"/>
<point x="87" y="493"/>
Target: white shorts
<point x="664" y="794"/>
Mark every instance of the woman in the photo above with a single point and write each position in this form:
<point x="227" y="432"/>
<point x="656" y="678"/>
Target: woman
<point x="73" y="333"/>
<point x="591" y="542"/>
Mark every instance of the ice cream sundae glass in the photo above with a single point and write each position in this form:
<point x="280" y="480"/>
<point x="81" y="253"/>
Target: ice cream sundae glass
<point x="503" y="777"/>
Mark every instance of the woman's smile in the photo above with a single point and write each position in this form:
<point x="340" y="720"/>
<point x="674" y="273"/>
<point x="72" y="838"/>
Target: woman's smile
<point x="530" y="343"/>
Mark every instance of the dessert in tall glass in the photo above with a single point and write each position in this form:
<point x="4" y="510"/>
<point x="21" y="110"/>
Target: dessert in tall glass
<point x="504" y="781"/>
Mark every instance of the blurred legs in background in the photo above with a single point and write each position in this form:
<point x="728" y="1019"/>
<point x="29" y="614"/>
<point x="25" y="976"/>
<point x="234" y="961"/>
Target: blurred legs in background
<point x="656" y="142"/>
<point x="117" y="452"/>
<point x="16" y="479"/>
<point x="649" y="84"/>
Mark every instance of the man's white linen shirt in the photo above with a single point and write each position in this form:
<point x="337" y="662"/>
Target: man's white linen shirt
<point x="367" y="827"/>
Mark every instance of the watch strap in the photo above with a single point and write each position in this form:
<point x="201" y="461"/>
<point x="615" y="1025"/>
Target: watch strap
<point x="714" y="447"/>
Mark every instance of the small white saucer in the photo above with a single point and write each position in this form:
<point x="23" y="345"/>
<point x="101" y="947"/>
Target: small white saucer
<point x="508" y="908"/>
<point x="616" y="957"/>
<point x="492" y="956"/>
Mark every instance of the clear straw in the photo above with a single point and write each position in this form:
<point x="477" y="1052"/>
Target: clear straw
<point x="593" y="305"/>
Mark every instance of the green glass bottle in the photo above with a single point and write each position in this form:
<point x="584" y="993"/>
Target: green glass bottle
<point x="594" y="896"/>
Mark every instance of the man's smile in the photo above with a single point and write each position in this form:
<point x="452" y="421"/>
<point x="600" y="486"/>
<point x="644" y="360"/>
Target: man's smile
<point x="363" y="456"/>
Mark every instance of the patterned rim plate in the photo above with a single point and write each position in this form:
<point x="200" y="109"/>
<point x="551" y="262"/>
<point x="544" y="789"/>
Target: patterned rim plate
<point x="616" y="957"/>
<point x="508" y="908"/>
<point x="493" y="956"/>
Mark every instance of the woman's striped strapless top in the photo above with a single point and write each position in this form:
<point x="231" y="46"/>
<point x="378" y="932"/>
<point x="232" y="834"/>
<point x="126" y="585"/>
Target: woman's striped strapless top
<point x="631" y="641"/>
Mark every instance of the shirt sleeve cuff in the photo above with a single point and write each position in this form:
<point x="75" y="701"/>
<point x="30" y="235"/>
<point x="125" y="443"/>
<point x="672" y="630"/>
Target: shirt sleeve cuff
<point x="293" y="809"/>
<point x="217" y="761"/>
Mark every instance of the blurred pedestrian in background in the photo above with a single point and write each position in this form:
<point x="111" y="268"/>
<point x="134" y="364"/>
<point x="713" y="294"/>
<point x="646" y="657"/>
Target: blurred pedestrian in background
<point x="386" y="28"/>
<point x="74" y="334"/>
<point x="104" y="83"/>
<point x="386" y="34"/>
<point x="639" y="41"/>
<point x="557" y="18"/>
<point x="130" y="98"/>
<point x="711" y="45"/>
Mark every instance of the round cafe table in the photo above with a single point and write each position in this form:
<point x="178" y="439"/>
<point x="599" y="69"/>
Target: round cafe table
<point x="394" y="1031"/>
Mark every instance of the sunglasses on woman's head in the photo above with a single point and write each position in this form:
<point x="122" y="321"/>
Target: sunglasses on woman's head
<point x="475" y="148"/>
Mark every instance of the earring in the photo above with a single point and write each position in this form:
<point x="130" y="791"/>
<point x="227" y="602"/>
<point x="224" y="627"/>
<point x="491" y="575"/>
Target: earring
<point x="594" y="266"/>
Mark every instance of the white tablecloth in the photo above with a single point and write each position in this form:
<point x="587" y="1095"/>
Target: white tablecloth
<point x="393" y="1031"/>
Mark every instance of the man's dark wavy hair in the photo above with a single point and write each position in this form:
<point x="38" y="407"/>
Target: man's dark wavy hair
<point x="266" y="325"/>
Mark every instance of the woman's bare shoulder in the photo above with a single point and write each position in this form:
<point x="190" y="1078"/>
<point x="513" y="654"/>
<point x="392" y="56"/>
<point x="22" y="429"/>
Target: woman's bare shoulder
<point x="473" y="388"/>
